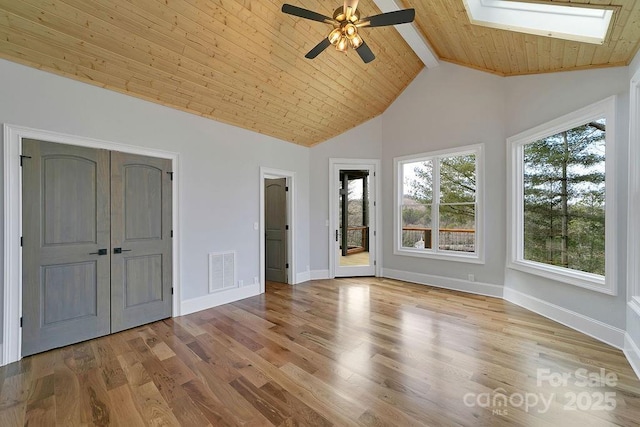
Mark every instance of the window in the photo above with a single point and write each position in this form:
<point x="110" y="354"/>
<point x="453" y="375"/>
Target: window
<point x="438" y="205"/>
<point x="583" y="24"/>
<point x="562" y="207"/>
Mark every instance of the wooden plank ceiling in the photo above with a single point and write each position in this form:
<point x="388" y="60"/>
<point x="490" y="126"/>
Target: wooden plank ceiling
<point x="445" y="24"/>
<point x="242" y="61"/>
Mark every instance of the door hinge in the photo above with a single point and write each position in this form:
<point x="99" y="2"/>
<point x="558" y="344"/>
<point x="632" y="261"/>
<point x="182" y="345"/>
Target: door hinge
<point x="171" y="291"/>
<point x="170" y="175"/>
<point x="374" y="203"/>
<point x="22" y="158"/>
<point x="171" y="233"/>
<point x="374" y="174"/>
<point x="286" y="265"/>
<point x="21" y="241"/>
<point x="21" y="322"/>
<point x="286" y="227"/>
<point x="374" y="233"/>
<point x="375" y="263"/>
<point x="286" y="188"/>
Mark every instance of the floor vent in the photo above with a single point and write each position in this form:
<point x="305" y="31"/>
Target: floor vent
<point x="222" y="271"/>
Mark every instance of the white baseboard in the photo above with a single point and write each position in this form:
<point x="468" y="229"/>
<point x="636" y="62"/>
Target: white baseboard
<point x="213" y="300"/>
<point x="581" y="323"/>
<point x="319" y="274"/>
<point x="445" y="282"/>
<point x="632" y="352"/>
<point x="632" y="337"/>
<point x="302" y="277"/>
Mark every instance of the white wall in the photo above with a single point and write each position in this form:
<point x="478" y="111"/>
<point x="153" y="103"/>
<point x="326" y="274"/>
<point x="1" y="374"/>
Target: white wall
<point x="449" y="106"/>
<point x="220" y="164"/>
<point x="362" y="142"/>
<point x="632" y="339"/>
<point x="532" y="100"/>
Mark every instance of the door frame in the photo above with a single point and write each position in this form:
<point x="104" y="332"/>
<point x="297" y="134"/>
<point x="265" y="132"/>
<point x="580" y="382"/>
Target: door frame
<point x="12" y="143"/>
<point x="268" y="173"/>
<point x="333" y="208"/>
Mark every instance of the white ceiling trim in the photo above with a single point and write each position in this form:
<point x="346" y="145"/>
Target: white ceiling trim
<point x="411" y="35"/>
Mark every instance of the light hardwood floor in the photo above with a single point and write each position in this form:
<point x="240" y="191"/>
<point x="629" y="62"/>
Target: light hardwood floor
<point x="360" y="258"/>
<point x="343" y="352"/>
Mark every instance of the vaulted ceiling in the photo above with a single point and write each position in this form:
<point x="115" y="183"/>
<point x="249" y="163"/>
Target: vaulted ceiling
<point x="242" y="61"/>
<point x="446" y="26"/>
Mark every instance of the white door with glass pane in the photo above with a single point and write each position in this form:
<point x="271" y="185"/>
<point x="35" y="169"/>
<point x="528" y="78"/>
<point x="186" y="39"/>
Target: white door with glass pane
<point x="353" y="220"/>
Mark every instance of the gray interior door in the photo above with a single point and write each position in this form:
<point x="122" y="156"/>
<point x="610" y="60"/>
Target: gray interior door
<point x="66" y="262"/>
<point x="96" y="243"/>
<point x="140" y="240"/>
<point x="275" y="217"/>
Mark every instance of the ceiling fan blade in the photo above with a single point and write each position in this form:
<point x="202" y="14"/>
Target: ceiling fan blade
<point x="365" y="52"/>
<point x="390" y="18"/>
<point x="320" y="47"/>
<point x="306" y="13"/>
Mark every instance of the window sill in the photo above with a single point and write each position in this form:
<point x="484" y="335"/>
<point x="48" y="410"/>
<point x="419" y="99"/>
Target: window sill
<point x="589" y="281"/>
<point x="445" y="256"/>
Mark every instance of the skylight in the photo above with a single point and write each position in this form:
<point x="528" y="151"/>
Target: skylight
<point x="581" y="24"/>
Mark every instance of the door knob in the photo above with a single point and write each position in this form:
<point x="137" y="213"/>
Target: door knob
<point x="120" y="250"/>
<point x="100" y="252"/>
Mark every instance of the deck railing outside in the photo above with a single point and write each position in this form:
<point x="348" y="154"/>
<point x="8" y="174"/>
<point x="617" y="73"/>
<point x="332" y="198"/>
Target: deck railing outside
<point x="357" y="239"/>
<point x="451" y="239"/>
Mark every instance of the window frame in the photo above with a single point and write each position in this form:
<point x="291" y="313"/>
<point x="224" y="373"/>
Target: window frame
<point x="515" y="203"/>
<point x="476" y="257"/>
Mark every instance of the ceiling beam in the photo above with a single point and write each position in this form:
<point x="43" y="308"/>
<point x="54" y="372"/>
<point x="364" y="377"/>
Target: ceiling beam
<point x="411" y="35"/>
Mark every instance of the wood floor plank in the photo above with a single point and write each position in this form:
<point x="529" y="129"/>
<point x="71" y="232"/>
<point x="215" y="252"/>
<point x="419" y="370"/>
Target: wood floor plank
<point x="356" y="351"/>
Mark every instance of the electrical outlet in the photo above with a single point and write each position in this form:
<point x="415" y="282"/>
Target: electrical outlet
<point x="472" y="278"/>
<point x="240" y="283"/>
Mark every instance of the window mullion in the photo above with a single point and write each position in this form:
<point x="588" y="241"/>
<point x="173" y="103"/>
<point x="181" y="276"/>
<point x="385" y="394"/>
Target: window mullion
<point x="435" y="207"/>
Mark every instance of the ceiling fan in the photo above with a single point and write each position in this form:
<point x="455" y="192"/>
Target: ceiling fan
<point x="346" y="21"/>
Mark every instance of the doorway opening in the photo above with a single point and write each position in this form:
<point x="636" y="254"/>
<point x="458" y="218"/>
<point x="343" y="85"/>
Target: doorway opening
<point x="353" y="232"/>
<point x="277" y="228"/>
<point x="353" y="237"/>
<point x="13" y="293"/>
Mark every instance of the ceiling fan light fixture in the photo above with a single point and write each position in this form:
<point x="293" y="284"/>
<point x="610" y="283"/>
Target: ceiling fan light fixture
<point x="356" y="41"/>
<point x="343" y="44"/>
<point x="350" y="30"/>
<point x="335" y="36"/>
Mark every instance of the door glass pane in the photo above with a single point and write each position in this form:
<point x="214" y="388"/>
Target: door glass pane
<point x="354" y="218"/>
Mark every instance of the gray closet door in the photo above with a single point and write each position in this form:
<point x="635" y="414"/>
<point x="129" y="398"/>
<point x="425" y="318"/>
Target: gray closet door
<point x="275" y="204"/>
<point x="65" y="282"/>
<point x="140" y="240"/>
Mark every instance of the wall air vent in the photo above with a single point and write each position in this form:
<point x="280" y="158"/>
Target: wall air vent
<point x="222" y="271"/>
